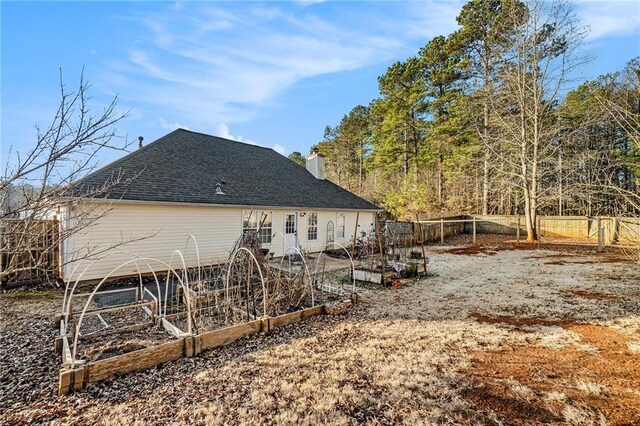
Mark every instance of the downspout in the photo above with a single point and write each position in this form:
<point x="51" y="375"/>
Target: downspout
<point x="60" y="244"/>
<point x="67" y="241"/>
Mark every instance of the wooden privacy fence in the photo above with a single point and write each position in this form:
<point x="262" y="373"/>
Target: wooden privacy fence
<point x="560" y="226"/>
<point x="628" y="230"/>
<point x="601" y="230"/>
<point x="29" y="250"/>
<point x="409" y="232"/>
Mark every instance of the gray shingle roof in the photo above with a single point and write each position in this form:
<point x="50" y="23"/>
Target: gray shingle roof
<point x="185" y="166"/>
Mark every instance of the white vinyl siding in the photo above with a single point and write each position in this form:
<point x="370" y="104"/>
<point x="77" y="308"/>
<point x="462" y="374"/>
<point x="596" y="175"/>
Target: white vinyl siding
<point x="159" y="229"/>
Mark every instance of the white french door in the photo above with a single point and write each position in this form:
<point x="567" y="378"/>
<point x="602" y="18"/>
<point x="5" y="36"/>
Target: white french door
<point x="290" y="230"/>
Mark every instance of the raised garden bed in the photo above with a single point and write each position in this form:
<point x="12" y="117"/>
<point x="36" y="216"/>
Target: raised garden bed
<point x="102" y="347"/>
<point x="395" y="270"/>
<point x="107" y="360"/>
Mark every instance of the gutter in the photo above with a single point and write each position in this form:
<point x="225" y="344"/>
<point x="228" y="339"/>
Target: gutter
<point x="176" y="203"/>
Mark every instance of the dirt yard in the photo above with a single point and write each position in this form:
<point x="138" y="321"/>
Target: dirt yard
<point x="493" y="336"/>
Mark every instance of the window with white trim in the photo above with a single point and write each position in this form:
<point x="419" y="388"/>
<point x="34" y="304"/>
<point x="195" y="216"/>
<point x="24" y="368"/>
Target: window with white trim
<point x="312" y="226"/>
<point x="266" y="228"/>
<point x="340" y="226"/>
<point x="254" y="219"/>
<point x="249" y="221"/>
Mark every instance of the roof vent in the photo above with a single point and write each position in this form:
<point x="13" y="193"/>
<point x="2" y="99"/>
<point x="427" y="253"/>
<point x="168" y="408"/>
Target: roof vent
<point x="219" y="189"/>
<point x="140" y="139"/>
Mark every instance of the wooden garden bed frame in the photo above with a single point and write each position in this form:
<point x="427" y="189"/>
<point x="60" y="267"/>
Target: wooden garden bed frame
<point x="183" y="346"/>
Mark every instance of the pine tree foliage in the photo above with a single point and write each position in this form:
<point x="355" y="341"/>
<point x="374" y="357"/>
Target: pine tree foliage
<point x="489" y="120"/>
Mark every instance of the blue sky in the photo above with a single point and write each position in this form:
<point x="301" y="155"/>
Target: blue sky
<point x="272" y="73"/>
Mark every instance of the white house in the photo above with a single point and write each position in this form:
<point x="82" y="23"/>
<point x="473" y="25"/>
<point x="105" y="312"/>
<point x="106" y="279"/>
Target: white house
<point x="189" y="183"/>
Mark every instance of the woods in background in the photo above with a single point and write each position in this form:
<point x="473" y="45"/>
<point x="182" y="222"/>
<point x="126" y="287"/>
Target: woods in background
<point x="482" y="121"/>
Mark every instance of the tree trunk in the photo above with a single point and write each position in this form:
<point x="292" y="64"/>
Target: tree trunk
<point x="485" y="185"/>
<point x="485" y="135"/>
<point x="440" y="182"/>
<point x="406" y="155"/>
<point x="560" y="189"/>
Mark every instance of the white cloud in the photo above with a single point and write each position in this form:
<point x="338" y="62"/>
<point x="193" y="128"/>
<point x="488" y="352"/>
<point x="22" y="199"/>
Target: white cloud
<point x="170" y="126"/>
<point x="430" y="19"/>
<point x="280" y="149"/>
<point x="613" y="18"/>
<point x="205" y="63"/>
<point x="310" y="2"/>
<point x="222" y="130"/>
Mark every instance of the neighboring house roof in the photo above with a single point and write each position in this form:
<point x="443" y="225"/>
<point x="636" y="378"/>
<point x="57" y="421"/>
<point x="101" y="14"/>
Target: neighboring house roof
<point x="185" y="167"/>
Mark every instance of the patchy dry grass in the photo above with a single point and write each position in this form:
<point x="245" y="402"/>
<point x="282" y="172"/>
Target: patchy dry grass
<point x="499" y="339"/>
<point x="601" y="382"/>
<point x="590" y="387"/>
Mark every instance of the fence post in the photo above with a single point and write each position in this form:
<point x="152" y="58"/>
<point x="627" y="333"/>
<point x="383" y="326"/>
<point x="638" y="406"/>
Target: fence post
<point x="441" y="231"/>
<point x="588" y="227"/>
<point x="600" y="235"/>
<point x="474" y="230"/>
<point x="518" y="231"/>
<point x="379" y="238"/>
<point x="539" y="229"/>
<point x="424" y="254"/>
<point x="612" y="231"/>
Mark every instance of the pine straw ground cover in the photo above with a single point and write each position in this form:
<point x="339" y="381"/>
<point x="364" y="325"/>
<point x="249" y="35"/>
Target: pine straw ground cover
<point x="508" y="338"/>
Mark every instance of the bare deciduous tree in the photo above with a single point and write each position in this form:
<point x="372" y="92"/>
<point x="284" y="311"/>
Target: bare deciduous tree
<point x="541" y="54"/>
<point x="624" y="108"/>
<point x="36" y="183"/>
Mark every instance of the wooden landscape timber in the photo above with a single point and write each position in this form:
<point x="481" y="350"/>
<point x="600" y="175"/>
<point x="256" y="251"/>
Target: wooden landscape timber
<point x="134" y="361"/>
<point x="184" y="346"/>
<point x="224" y="336"/>
<point x="293" y="317"/>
